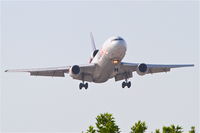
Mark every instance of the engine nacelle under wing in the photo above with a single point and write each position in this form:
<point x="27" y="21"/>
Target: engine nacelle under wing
<point x="74" y="71"/>
<point x="142" y="69"/>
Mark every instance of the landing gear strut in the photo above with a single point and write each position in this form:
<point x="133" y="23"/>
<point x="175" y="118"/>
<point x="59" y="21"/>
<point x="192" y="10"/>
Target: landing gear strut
<point x="126" y="83"/>
<point x="81" y="85"/>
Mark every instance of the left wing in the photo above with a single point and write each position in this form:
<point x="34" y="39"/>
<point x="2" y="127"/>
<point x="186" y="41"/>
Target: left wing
<point x="126" y="69"/>
<point x="153" y="68"/>
<point x="50" y="71"/>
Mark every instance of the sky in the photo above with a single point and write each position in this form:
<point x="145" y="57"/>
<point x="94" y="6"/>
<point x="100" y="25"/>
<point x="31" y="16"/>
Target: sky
<point x="41" y="33"/>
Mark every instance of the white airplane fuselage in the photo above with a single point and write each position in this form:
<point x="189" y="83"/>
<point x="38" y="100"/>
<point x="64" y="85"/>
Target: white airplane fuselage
<point x="108" y="58"/>
<point x="104" y="64"/>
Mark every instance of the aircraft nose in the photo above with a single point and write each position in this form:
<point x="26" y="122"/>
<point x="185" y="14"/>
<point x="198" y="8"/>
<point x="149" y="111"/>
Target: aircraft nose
<point x="117" y="49"/>
<point x="119" y="44"/>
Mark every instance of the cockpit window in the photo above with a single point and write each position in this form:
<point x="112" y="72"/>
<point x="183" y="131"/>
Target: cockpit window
<point x="117" y="39"/>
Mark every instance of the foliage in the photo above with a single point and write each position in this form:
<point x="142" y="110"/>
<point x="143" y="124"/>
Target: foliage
<point x="105" y="123"/>
<point x="172" y="129"/>
<point x="157" y="131"/>
<point x="139" y="127"/>
<point x="91" y="130"/>
<point x="192" y="130"/>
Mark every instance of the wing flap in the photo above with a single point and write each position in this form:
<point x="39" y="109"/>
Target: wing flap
<point x="48" y="73"/>
<point x="158" y="70"/>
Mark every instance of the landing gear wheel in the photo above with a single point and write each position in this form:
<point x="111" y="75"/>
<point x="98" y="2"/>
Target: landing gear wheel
<point x="86" y="86"/>
<point x="128" y="84"/>
<point x="123" y="84"/>
<point x="80" y="86"/>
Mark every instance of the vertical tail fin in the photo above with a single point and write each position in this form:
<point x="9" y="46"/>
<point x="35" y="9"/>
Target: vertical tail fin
<point x="92" y="42"/>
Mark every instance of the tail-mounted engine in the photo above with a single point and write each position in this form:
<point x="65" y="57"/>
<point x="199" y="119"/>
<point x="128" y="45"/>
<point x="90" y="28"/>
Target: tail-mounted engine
<point x="94" y="53"/>
<point x="142" y="69"/>
<point x="74" y="71"/>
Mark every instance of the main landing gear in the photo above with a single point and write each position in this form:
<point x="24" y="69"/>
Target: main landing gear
<point x="81" y="85"/>
<point x="126" y="83"/>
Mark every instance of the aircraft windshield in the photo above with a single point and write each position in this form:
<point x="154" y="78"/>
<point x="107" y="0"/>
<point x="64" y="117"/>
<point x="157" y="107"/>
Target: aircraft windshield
<point x="117" y="39"/>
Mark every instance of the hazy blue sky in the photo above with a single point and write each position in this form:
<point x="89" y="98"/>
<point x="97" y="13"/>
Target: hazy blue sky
<point x="50" y="33"/>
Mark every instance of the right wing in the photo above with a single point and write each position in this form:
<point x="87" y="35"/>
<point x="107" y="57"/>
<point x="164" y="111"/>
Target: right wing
<point x="86" y="71"/>
<point x="50" y="71"/>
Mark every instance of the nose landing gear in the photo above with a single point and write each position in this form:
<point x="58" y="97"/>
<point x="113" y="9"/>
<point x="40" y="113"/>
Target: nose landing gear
<point x="81" y="85"/>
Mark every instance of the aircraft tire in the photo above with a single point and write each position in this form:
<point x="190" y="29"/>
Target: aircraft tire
<point x="129" y="84"/>
<point x="86" y="86"/>
<point x="80" y="86"/>
<point x="123" y="84"/>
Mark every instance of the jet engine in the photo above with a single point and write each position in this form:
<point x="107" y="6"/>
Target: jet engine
<point x="94" y="53"/>
<point x="74" y="71"/>
<point x="142" y="69"/>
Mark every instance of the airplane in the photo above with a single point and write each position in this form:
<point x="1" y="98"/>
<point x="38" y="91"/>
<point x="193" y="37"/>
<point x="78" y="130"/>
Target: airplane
<point x="103" y="65"/>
